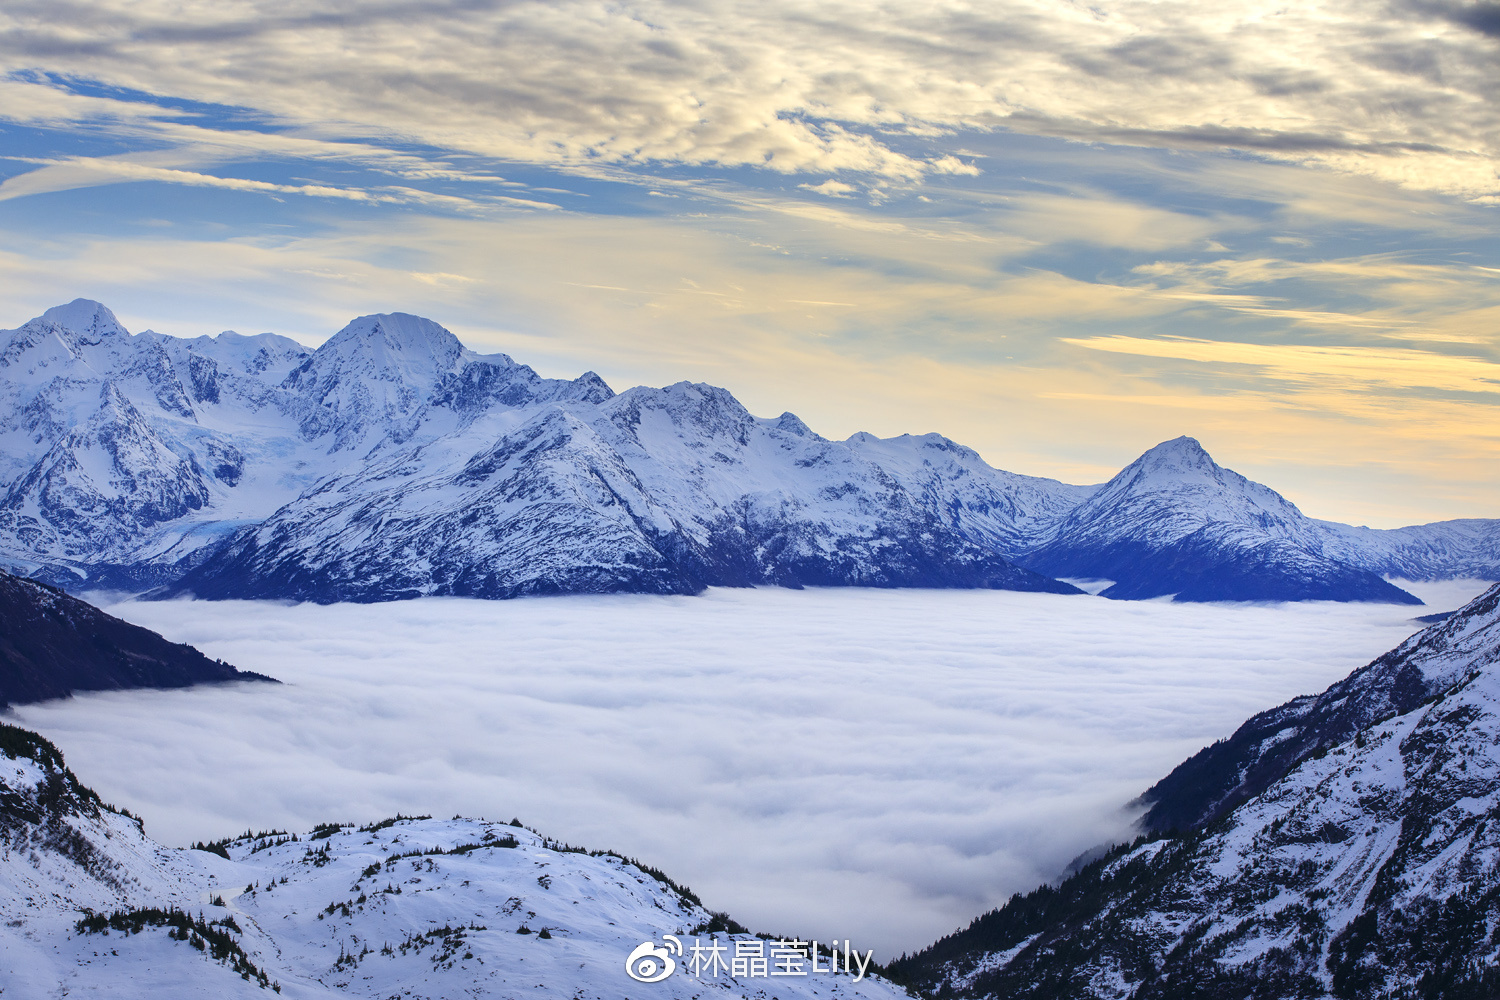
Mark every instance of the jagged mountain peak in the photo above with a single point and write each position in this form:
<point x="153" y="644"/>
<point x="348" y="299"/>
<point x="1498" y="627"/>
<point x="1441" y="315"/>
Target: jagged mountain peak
<point x="1182" y="474"/>
<point x="793" y="424"/>
<point x="1184" y="464"/>
<point x="706" y="408"/>
<point x="1179" y="456"/>
<point x="591" y="387"/>
<point x="62" y="335"/>
<point x="115" y="403"/>
<point x="378" y="372"/>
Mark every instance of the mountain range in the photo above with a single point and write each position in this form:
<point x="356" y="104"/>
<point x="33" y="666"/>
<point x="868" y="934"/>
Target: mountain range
<point x="392" y="462"/>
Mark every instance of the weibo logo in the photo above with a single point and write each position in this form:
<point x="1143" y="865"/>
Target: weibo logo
<point x="650" y="964"/>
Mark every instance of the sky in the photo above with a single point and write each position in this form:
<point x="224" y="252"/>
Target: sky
<point x="1058" y="233"/>
<point x="829" y="763"/>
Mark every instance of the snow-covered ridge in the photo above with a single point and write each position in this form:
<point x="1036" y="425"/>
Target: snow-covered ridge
<point x="393" y="462"/>
<point x="1369" y="867"/>
<point x="409" y="907"/>
<point x="1222" y="776"/>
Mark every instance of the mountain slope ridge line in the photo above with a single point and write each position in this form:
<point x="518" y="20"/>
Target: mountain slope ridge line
<point x="1341" y="846"/>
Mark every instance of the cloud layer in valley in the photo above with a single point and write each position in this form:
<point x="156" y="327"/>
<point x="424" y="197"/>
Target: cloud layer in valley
<point x="876" y="764"/>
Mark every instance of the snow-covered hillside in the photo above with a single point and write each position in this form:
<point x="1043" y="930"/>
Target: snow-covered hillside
<point x="417" y="908"/>
<point x="393" y="462"/>
<point x="1368" y="868"/>
<point x="1231" y="771"/>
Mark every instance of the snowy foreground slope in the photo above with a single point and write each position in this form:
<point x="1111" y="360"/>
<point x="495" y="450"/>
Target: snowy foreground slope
<point x="392" y="462"/>
<point x="411" y="908"/>
<point x="1369" y="868"/>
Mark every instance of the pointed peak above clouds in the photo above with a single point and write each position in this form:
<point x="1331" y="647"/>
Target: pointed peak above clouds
<point x="1179" y="463"/>
<point x="1176" y="522"/>
<point x="1181" y="455"/>
<point x="1181" y="473"/>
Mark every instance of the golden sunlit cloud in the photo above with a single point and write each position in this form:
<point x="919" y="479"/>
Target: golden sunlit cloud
<point x="822" y="88"/>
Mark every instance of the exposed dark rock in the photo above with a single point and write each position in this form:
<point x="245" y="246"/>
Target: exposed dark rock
<point x="53" y="644"/>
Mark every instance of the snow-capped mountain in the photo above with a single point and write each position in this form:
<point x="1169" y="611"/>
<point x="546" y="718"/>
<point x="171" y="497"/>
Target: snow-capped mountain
<point x="417" y="908"/>
<point x="1368" y="867"/>
<point x="653" y="490"/>
<point x="393" y="462"/>
<point x="122" y="453"/>
<point x="1175" y="522"/>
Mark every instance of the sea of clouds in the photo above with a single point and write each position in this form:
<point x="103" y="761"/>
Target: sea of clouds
<point x="881" y="765"/>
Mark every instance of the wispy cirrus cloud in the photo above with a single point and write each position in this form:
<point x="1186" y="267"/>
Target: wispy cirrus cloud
<point x="79" y="172"/>
<point x="1353" y="366"/>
